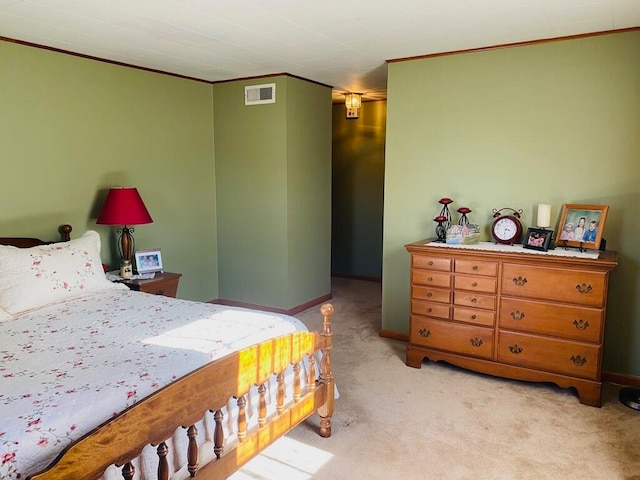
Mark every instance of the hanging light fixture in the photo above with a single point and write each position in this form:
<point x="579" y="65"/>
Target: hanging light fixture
<point x="353" y="102"/>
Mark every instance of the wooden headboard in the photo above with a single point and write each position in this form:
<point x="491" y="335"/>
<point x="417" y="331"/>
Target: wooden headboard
<point x="25" y="242"/>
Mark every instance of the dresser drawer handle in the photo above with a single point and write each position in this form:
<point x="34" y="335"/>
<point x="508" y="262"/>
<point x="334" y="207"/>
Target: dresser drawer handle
<point x="581" y="324"/>
<point x="584" y="288"/>
<point x="476" y="342"/>
<point x="474" y="284"/>
<point x="578" y="360"/>
<point x="517" y="315"/>
<point x="429" y="310"/>
<point x="520" y="281"/>
<point x="430" y="263"/>
<point x="430" y="279"/>
<point x="475" y="267"/>
<point x="429" y="294"/>
<point x="160" y="292"/>
<point x="424" y="332"/>
<point x="515" y="349"/>
<point x="474" y="300"/>
<point x="473" y="317"/>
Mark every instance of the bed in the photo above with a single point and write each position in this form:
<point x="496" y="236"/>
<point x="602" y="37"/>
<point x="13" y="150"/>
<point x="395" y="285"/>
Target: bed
<point x="101" y="382"/>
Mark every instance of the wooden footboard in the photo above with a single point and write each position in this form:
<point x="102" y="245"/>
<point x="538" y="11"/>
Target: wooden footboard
<point x="184" y="402"/>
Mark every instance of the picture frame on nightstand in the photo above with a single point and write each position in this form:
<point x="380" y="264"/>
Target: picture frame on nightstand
<point x="537" y="239"/>
<point x="149" y="260"/>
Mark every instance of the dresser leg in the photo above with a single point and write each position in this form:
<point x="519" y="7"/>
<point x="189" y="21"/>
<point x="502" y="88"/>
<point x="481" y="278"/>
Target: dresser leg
<point x="591" y="395"/>
<point x="414" y="357"/>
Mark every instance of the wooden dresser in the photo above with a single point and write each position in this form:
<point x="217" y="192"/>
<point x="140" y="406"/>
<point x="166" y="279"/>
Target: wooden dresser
<point x="522" y="315"/>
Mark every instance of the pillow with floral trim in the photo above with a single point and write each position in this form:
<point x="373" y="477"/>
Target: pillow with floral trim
<point x="4" y="315"/>
<point x="36" y="276"/>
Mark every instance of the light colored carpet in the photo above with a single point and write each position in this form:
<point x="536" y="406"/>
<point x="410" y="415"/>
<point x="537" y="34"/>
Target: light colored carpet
<point x="442" y="422"/>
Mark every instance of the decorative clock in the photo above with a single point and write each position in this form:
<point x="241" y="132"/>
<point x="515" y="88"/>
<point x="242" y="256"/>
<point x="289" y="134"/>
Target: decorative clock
<point x="506" y="229"/>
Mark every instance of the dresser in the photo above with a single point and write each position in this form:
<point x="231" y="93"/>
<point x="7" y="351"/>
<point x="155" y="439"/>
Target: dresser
<point x="511" y="312"/>
<point x="162" y="283"/>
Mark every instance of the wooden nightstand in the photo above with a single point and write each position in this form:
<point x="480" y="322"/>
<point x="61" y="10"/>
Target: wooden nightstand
<point x="162" y="284"/>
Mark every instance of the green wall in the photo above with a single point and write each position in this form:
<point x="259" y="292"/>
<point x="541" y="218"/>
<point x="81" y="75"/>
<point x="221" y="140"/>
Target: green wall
<point x="273" y="167"/>
<point x="358" y="185"/>
<point x="555" y="122"/>
<point x="72" y="127"/>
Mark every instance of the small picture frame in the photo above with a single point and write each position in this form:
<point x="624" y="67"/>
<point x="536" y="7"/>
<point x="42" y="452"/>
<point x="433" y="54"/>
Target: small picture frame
<point x="148" y="261"/>
<point x="538" y="239"/>
<point x="581" y="226"/>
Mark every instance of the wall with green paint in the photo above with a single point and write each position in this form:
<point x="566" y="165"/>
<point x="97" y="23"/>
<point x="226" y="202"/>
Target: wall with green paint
<point x="273" y="182"/>
<point x="72" y="127"/>
<point x="555" y="122"/>
<point x="358" y="186"/>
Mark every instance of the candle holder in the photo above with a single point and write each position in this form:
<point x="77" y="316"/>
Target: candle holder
<point x="441" y="230"/>
<point x="463" y="220"/>
<point x="445" y="202"/>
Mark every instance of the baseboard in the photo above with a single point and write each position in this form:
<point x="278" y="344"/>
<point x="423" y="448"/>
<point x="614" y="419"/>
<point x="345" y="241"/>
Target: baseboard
<point x="621" y="379"/>
<point x="292" y="311"/>
<point x="403" y="337"/>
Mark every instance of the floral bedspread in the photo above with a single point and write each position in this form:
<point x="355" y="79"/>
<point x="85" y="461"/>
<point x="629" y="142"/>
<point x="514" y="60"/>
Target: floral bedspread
<point x="68" y="367"/>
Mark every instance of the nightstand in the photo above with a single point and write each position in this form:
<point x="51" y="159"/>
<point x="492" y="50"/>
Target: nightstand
<point x="162" y="284"/>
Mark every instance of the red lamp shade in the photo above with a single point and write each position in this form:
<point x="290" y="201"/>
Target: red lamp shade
<point x="123" y="206"/>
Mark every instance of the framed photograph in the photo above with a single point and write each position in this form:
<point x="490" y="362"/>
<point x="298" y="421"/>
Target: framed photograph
<point x="148" y="261"/>
<point x="581" y="225"/>
<point x="538" y="239"/>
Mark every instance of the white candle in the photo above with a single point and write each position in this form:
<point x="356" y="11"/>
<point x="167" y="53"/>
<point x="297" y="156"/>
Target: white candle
<point x="544" y="215"/>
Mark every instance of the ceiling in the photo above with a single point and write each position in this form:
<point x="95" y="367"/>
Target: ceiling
<point x="341" y="43"/>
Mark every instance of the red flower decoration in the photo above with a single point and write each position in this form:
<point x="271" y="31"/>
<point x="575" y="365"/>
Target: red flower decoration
<point x="440" y="218"/>
<point x="464" y="210"/>
<point x="445" y="201"/>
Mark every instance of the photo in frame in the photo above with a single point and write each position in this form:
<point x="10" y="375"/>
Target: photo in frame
<point x="581" y="226"/>
<point x="148" y="261"/>
<point x="538" y="239"/>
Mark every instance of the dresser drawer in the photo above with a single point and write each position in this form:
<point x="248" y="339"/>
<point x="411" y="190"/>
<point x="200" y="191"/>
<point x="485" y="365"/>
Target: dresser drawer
<point x="584" y="324"/>
<point x="470" y="299"/>
<point x="452" y="337"/>
<point x="474" y="315"/>
<point x="431" y="294"/>
<point x="559" y="356"/>
<point x="570" y="286"/>
<point x="475" y="284"/>
<point x="433" y="279"/>
<point x="431" y="263"/>
<point x="439" y="310"/>
<point x="476" y="267"/>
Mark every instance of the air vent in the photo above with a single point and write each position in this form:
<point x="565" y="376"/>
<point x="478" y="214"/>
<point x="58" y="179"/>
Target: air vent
<point x="259" y="94"/>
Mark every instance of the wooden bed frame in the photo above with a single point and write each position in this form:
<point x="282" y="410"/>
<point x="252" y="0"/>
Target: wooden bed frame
<point x="184" y="402"/>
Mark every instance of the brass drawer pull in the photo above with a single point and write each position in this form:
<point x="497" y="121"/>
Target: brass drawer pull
<point x="581" y="324"/>
<point x="515" y="349"/>
<point x="474" y="284"/>
<point x="430" y="279"/>
<point x="520" y="281"/>
<point x="429" y="310"/>
<point x="584" y="288"/>
<point x="474" y="300"/>
<point x="424" y="332"/>
<point x="578" y="360"/>
<point x="517" y="315"/>
<point x="473" y="317"/>
<point x="160" y="292"/>
<point x="476" y="342"/>
<point x="430" y="263"/>
<point x="475" y="267"/>
<point x="429" y="294"/>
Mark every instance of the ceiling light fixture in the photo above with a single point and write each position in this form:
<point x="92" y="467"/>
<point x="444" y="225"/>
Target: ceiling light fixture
<point x="353" y="102"/>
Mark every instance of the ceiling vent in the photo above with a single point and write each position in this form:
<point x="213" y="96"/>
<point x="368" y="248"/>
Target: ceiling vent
<point x="259" y="94"/>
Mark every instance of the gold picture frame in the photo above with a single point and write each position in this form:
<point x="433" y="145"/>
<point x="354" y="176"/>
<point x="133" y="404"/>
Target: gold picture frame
<point x="581" y="226"/>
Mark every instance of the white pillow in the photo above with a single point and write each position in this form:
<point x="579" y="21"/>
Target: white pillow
<point x="4" y="315"/>
<point x="34" y="277"/>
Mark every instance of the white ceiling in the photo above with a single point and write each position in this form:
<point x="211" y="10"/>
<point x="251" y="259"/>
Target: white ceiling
<point x="341" y="43"/>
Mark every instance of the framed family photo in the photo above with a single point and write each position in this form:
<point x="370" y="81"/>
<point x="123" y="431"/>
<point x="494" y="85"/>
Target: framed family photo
<point x="538" y="239"/>
<point x="581" y="225"/>
<point x="148" y="261"/>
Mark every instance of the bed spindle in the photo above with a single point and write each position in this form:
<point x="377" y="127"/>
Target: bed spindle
<point x="218" y="434"/>
<point x="296" y="382"/>
<point x="280" y="394"/>
<point x="242" y="418"/>
<point x="128" y="471"/>
<point x="311" y="381"/>
<point x="326" y="374"/>
<point x="262" y="412"/>
<point x="163" y="465"/>
<point x="192" y="451"/>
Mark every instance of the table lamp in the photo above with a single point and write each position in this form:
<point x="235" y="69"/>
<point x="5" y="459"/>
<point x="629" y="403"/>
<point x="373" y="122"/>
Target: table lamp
<point x="124" y="206"/>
